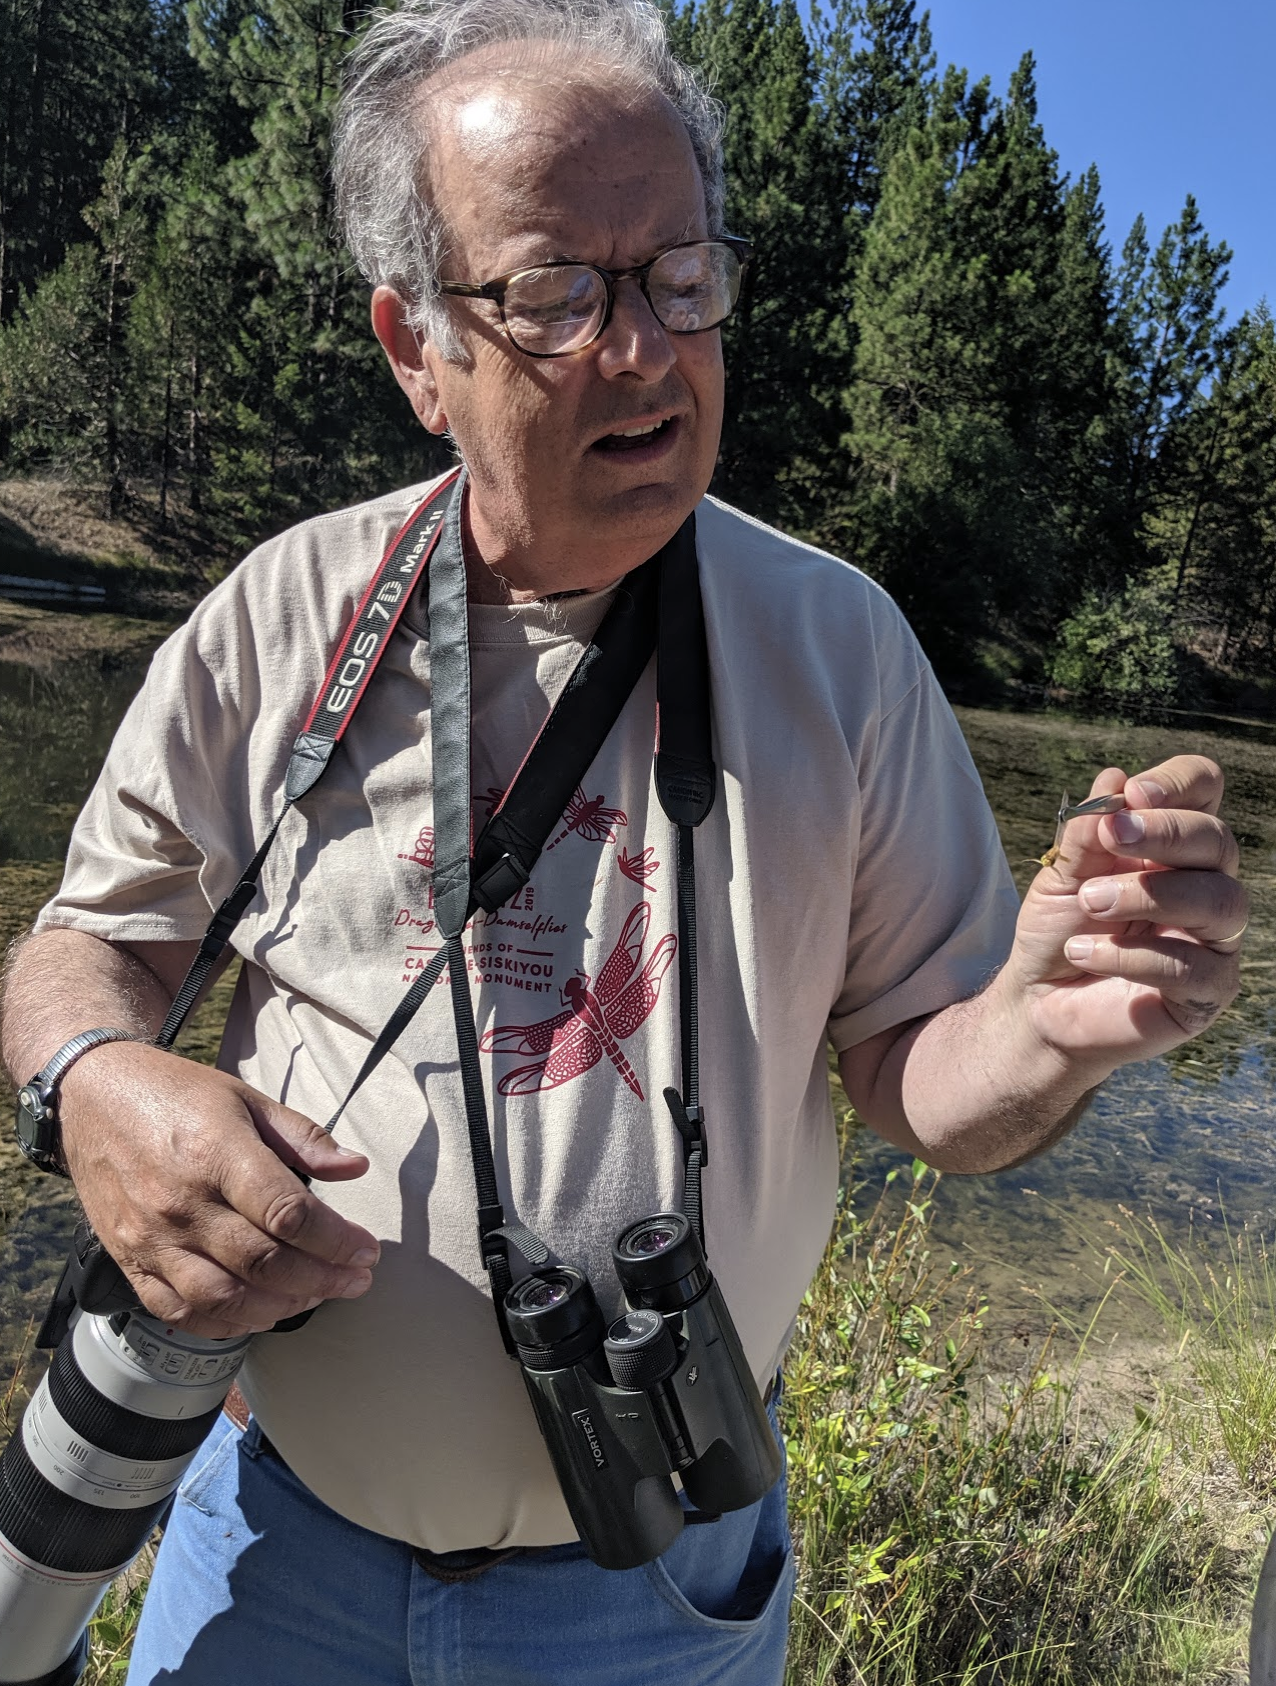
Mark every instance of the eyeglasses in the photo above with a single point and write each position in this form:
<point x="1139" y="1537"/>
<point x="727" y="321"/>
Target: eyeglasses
<point x="556" y="308"/>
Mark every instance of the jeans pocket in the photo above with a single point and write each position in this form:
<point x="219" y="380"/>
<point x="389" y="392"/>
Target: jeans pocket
<point x="208" y="1462"/>
<point x="731" y="1574"/>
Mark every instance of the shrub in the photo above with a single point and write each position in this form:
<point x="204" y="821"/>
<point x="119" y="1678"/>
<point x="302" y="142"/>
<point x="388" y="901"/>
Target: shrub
<point x="1118" y="648"/>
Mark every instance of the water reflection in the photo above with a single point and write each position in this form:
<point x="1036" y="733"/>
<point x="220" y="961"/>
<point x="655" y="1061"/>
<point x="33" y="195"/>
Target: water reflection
<point x="56" y="724"/>
<point x="1189" y="1140"/>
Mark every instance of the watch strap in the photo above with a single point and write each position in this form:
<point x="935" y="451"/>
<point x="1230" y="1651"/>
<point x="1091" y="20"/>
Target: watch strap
<point x="66" y="1056"/>
<point x="42" y="1111"/>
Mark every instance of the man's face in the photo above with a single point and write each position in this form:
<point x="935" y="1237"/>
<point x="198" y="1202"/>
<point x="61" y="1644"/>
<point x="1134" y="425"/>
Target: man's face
<point x="527" y="171"/>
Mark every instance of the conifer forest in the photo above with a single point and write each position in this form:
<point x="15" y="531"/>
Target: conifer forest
<point x="1041" y="433"/>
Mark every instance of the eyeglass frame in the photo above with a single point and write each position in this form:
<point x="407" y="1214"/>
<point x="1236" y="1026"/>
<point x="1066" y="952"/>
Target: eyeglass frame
<point x="496" y="288"/>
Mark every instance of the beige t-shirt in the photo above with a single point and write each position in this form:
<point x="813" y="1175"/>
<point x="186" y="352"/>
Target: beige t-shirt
<point x="849" y="878"/>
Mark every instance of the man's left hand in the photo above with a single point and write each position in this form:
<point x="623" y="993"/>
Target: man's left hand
<point x="1128" y="944"/>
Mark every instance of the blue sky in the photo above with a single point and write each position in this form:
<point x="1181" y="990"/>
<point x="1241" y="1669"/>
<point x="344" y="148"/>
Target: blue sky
<point x="1167" y="97"/>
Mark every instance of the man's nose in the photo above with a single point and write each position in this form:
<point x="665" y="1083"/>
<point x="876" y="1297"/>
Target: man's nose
<point x="635" y="342"/>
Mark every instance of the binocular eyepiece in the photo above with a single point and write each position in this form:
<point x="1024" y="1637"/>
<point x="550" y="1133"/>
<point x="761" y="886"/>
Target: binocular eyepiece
<point x="664" y="1389"/>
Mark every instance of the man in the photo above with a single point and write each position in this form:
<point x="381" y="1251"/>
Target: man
<point x="391" y="1514"/>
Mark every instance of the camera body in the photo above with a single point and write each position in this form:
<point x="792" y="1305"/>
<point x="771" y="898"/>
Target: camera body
<point x="665" y="1389"/>
<point x="108" y="1435"/>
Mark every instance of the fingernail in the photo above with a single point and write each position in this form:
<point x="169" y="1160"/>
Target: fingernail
<point x="347" y="1152"/>
<point x="1099" y="895"/>
<point x="317" y="1301"/>
<point x="366" y="1257"/>
<point x="1155" y="793"/>
<point x="1079" y="948"/>
<point x="1128" y="826"/>
<point x="355" y="1286"/>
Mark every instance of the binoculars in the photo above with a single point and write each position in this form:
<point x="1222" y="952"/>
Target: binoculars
<point x="664" y="1390"/>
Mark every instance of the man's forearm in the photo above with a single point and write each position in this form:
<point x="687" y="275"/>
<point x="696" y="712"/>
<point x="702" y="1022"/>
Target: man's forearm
<point x="62" y="982"/>
<point x="972" y="1088"/>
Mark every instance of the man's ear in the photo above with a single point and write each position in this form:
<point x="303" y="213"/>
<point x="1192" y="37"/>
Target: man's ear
<point x="412" y="359"/>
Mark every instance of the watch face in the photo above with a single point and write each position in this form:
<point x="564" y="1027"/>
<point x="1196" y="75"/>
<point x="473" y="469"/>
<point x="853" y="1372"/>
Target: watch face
<point x="33" y="1121"/>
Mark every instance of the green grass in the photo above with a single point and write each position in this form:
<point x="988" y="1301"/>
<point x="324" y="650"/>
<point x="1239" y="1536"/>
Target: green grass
<point x="955" y="1528"/>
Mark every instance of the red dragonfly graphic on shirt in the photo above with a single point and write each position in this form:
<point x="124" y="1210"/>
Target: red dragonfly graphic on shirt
<point x="590" y="818"/>
<point x="597" y="1019"/>
<point x="638" y="868"/>
<point x="422" y="849"/>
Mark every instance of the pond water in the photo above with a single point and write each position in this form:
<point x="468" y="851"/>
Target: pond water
<point x="1187" y="1139"/>
<point x="56" y="725"/>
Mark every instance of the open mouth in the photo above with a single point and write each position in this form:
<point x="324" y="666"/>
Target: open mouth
<point x="636" y="438"/>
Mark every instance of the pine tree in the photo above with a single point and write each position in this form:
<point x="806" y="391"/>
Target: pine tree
<point x="62" y="358"/>
<point x="313" y="417"/>
<point x="876" y="70"/>
<point x="783" y="193"/>
<point x="1082" y="470"/>
<point x="119" y="221"/>
<point x="1167" y="317"/>
<point x="76" y="77"/>
<point x="1219" y="541"/>
<point x="949" y="413"/>
<point x="51" y="376"/>
<point x="181" y="323"/>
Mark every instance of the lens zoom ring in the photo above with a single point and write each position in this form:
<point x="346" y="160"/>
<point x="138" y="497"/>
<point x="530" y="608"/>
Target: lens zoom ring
<point x="60" y="1532"/>
<point x="111" y="1427"/>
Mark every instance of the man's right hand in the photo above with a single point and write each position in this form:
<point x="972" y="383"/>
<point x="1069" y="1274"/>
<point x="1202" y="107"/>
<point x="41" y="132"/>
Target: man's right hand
<point x="187" y="1176"/>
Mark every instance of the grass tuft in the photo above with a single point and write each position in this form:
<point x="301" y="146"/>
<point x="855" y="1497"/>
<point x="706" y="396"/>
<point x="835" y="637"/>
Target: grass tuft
<point x="956" y="1529"/>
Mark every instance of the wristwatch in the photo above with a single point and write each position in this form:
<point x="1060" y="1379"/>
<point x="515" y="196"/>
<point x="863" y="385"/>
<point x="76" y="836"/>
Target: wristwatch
<point x="39" y="1135"/>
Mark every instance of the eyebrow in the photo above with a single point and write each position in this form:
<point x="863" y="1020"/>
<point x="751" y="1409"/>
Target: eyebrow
<point x="563" y="258"/>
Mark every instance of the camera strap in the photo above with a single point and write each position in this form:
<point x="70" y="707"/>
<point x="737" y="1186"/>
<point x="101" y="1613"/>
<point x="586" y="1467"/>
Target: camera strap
<point x="358" y="654"/>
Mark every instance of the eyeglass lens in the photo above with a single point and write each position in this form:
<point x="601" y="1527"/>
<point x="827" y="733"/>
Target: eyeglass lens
<point x="560" y="307"/>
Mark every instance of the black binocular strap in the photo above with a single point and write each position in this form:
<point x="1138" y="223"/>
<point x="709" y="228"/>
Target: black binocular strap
<point x="686" y="780"/>
<point x="349" y="673"/>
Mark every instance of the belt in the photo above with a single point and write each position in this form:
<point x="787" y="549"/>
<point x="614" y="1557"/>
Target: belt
<point x="447" y="1566"/>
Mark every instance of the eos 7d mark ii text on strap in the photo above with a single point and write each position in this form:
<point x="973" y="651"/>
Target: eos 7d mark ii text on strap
<point x="348" y="676"/>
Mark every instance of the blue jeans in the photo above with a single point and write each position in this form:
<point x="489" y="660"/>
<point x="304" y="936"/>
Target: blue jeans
<point x="259" y="1584"/>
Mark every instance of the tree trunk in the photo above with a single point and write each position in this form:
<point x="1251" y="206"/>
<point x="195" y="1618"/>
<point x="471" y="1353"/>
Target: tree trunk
<point x="115" y="480"/>
<point x="166" y="460"/>
<point x="193" y="442"/>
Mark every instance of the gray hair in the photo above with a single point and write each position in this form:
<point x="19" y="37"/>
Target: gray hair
<point x="384" y="203"/>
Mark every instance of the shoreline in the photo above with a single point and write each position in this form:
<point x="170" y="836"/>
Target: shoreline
<point x="44" y="639"/>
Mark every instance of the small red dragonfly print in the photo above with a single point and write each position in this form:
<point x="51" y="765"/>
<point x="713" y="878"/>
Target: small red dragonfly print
<point x="597" y="1020"/>
<point x="638" y="868"/>
<point x="422" y="849"/>
<point x="589" y="818"/>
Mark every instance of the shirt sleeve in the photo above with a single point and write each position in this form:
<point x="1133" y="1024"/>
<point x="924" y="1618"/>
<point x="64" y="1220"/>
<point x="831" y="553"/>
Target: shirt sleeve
<point x="933" y="907"/>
